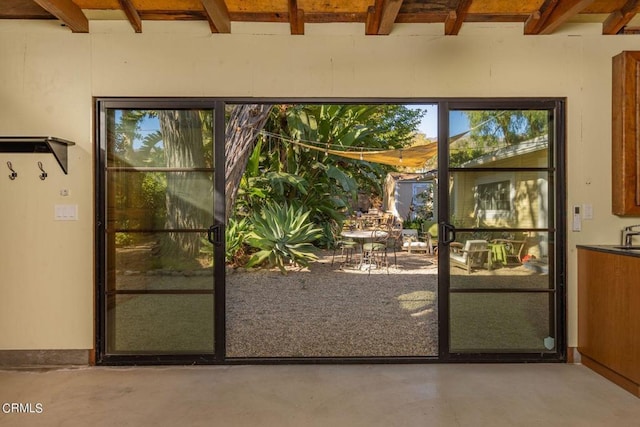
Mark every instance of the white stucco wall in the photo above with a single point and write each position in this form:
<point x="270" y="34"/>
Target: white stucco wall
<point x="48" y="77"/>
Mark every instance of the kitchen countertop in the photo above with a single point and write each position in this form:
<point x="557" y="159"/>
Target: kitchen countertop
<point x="613" y="249"/>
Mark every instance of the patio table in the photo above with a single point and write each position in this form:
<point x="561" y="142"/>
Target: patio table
<point x="363" y="236"/>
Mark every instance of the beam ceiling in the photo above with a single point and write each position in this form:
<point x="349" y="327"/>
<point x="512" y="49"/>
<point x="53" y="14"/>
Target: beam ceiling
<point x="379" y="17"/>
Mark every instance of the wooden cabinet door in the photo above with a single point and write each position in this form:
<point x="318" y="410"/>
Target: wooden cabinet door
<point x="626" y="134"/>
<point x="609" y="311"/>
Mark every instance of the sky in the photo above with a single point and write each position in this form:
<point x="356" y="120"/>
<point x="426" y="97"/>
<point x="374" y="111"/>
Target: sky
<point x="457" y="121"/>
<point x="429" y="125"/>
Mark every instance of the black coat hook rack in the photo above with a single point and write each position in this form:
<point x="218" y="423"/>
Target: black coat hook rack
<point x="37" y="144"/>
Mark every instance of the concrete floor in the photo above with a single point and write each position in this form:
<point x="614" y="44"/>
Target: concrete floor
<point x="318" y="395"/>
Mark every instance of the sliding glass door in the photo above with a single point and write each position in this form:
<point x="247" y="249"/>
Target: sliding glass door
<point x="486" y="282"/>
<point x="500" y="231"/>
<point x="158" y="167"/>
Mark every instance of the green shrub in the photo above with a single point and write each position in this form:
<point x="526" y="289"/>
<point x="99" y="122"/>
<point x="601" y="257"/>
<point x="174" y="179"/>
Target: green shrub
<point x="234" y="237"/>
<point x="282" y="234"/>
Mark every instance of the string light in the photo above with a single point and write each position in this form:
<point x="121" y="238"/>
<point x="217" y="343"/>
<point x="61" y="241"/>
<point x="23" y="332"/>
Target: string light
<point x="322" y="145"/>
<point x="373" y="154"/>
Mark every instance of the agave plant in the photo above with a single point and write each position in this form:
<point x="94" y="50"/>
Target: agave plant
<point x="282" y="234"/>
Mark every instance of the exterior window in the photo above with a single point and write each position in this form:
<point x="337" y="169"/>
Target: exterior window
<point x="422" y="200"/>
<point x="494" y="196"/>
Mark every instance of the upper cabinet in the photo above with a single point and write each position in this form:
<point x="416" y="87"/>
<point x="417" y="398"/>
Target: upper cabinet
<point x="626" y="134"/>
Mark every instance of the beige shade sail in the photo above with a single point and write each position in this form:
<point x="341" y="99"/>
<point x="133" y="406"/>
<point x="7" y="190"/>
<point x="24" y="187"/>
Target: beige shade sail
<point x="411" y="157"/>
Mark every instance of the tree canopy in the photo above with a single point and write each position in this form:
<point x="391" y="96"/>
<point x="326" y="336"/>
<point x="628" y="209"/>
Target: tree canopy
<point x="506" y="127"/>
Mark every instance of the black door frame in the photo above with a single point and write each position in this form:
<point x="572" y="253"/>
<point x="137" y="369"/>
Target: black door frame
<point x="101" y="355"/>
<point x="556" y="228"/>
<point x="218" y="105"/>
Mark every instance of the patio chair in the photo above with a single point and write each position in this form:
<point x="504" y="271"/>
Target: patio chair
<point x="394" y="240"/>
<point x="429" y="232"/>
<point x="474" y="254"/>
<point x="374" y="252"/>
<point x="348" y="249"/>
<point x="411" y="242"/>
<point x="513" y="250"/>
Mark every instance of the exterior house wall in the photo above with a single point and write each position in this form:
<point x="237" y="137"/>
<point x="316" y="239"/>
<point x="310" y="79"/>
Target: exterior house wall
<point x="529" y="190"/>
<point x="398" y="193"/>
<point x="525" y="200"/>
<point x="49" y="76"/>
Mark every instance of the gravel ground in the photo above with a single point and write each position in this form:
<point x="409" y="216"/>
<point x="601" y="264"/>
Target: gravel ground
<point x="326" y="311"/>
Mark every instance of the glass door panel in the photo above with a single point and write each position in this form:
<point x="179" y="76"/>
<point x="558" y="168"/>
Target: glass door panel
<point x="147" y="261"/>
<point x="500" y="213"/>
<point x="159" y="205"/>
<point x="501" y="322"/>
<point x="160" y="199"/>
<point x="161" y="323"/>
<point x="500" y="138"/>
<point x="509" y="199"/>
<point x="518" y="261"/>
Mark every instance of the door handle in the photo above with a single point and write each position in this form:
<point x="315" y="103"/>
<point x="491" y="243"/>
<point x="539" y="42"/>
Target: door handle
<point x="214" y="234"/>
<point x="448" y="232"/>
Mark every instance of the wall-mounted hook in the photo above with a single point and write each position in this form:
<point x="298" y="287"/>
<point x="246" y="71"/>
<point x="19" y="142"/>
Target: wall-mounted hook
<point x="43" y="175"/>
<point x="13" y="174"/>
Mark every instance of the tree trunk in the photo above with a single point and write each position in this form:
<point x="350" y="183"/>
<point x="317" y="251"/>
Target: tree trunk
<point x="187" y="192"/>
<point x="243" y="127"/>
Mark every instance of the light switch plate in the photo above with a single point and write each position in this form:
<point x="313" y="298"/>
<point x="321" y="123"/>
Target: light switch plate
<point x="66" y="212"/>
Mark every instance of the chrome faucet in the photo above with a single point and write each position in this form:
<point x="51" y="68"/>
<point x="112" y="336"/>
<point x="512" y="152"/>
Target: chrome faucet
<point x="628" y="233"/>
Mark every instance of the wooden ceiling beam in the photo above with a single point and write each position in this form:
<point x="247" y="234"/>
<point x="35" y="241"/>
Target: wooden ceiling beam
<point x="19" y="9"/>
<point x="561" y="13"/>
<point x="68" y="12"/>
<point x="132" y="15"/>
<point x="388" y="16"/>
<point x="616" y="21"/>
<point x="535" y="21"/>
<point x="455" y="18"/>
<point x="296" y="18"/>
<point x="217" y="15"/>
<point x="374" y="17"/>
